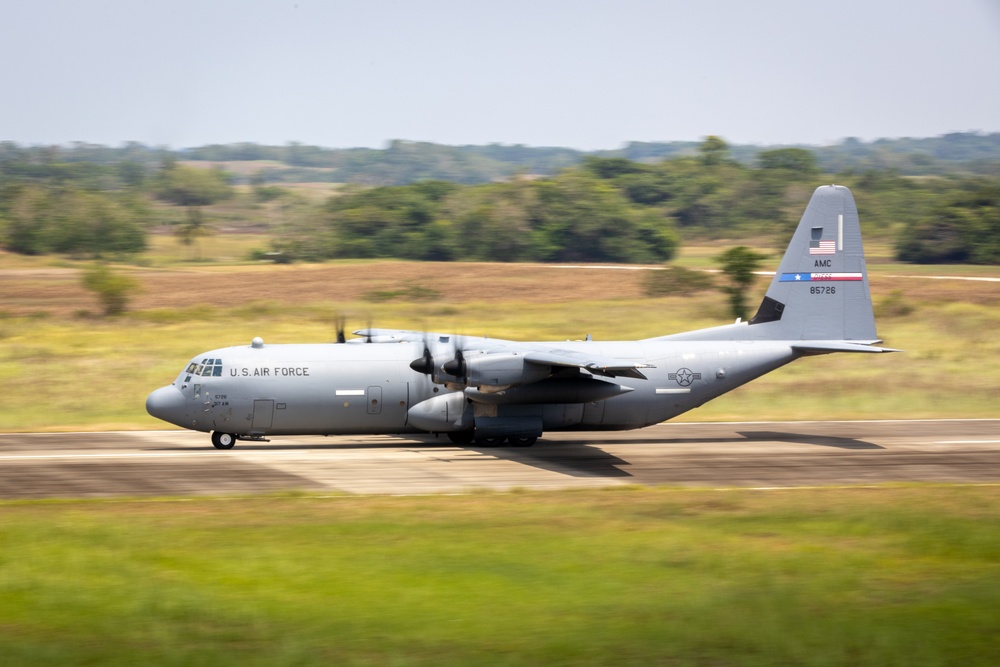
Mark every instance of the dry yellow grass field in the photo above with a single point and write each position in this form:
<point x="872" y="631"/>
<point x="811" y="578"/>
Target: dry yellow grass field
<point x="57" y="290"/>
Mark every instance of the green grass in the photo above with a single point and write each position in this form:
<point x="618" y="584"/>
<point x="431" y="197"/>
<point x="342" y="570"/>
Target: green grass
<point x="906" y="576"/>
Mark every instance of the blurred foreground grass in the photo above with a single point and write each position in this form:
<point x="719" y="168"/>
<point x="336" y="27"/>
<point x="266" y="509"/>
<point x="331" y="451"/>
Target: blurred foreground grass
<point x="906" y="576"/>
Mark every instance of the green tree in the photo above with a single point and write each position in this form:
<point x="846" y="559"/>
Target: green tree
<point x="612" y="167"/>
<point x="43" y="218"/>
<point x="646" y="188"/>
<point x="797" y="162"/>
<point x="392" y="221"/>
<point x="131" y="174"/>
<point x="192" y="230"/>
<point x="580" y="218"/>
<point x="26" y="229"/>
<point x="493" y="222"/>
<point x="966" y="228"/>
<point x="112" y="289"/>
<point x="738" y="266"/>
<point x="714" y="151"/>
<point x="95" y="224"/>
<point x="192" y="188"/>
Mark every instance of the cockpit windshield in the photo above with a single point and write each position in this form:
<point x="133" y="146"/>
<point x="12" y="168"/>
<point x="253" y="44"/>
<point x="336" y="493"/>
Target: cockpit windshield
<point x="207" y="368"/>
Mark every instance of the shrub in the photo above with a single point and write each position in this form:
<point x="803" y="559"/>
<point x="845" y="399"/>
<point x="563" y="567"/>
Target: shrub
<point x="112" y="289"/>
<point x="893" y="305"/>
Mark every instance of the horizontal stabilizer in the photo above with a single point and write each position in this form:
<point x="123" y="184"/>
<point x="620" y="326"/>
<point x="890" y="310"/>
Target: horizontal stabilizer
<point x="828" y="346"/>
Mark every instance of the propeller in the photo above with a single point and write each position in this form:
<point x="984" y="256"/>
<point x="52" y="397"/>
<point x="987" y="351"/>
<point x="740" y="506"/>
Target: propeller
<point x="456" y="367"/>
<point x="424" y="364"/>
<point x="341" y="323"/>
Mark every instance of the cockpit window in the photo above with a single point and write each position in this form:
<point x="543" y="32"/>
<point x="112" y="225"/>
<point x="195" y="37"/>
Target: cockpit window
<point x="207" y="368"/>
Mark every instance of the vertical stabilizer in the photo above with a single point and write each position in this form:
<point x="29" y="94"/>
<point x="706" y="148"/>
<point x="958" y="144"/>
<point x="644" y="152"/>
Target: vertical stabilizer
<point x="820" y="291"/>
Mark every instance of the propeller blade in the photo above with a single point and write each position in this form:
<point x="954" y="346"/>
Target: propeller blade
<point x="341" y="323"/>
<point x="457" y="366"/>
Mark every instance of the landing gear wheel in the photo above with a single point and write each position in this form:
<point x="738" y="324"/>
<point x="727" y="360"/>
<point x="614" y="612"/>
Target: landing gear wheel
<point x="462" y="437"/>
<point x="223" y="440"/>
<point x="483" y="441"/>
<point x="521" y="441"/>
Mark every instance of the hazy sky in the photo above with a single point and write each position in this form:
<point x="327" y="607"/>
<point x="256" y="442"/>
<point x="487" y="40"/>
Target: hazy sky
<point x="585" y="74"/>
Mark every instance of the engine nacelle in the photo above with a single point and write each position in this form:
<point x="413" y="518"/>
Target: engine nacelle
<point x="442" y="413"/>
<point x="493" y="372"/>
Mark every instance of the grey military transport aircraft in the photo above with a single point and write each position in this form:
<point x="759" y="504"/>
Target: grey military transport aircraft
<point x="495" y="391"/>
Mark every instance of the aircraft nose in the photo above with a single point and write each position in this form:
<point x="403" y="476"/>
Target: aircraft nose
<point x="167" y="403"/>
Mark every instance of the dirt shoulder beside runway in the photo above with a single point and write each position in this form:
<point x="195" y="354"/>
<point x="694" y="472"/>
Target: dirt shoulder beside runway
<point x="58" y="292"/>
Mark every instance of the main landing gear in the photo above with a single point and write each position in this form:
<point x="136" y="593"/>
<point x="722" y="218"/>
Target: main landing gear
<point x="468" y="437"/>
<point x="223" y="440"/>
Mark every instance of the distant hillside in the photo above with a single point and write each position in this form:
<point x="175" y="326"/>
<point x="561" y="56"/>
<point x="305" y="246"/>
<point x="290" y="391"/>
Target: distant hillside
<point x="403" y="162"/>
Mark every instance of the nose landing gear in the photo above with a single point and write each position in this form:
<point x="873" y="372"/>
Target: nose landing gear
<point x="223" y="440"/>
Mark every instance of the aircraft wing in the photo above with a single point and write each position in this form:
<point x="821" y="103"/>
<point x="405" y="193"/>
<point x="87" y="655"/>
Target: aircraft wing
<point x="535" y="353"/>
<point x="427" y="337"/>
<point x="606" y="366"/>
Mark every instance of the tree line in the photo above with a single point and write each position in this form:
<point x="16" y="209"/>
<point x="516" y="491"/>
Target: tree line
<point x="403" y="162"/>
<point x="95" y="210"/>
<point x="604" y="209"/>
<point x="613" y="209"/>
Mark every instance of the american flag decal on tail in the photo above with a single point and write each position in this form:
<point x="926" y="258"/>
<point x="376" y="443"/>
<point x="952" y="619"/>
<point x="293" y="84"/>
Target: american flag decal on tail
<point x="823" y="247"/>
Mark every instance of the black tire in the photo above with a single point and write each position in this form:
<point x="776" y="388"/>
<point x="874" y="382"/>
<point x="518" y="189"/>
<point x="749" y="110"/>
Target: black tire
<point x="223" y="440"/>
<point x="484" y="441"/>
<point x="462" y="437"/>
<point x="521" y="440"/>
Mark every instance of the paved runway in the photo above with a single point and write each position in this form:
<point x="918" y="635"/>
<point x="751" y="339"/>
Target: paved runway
<point x="779" y="454"/>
